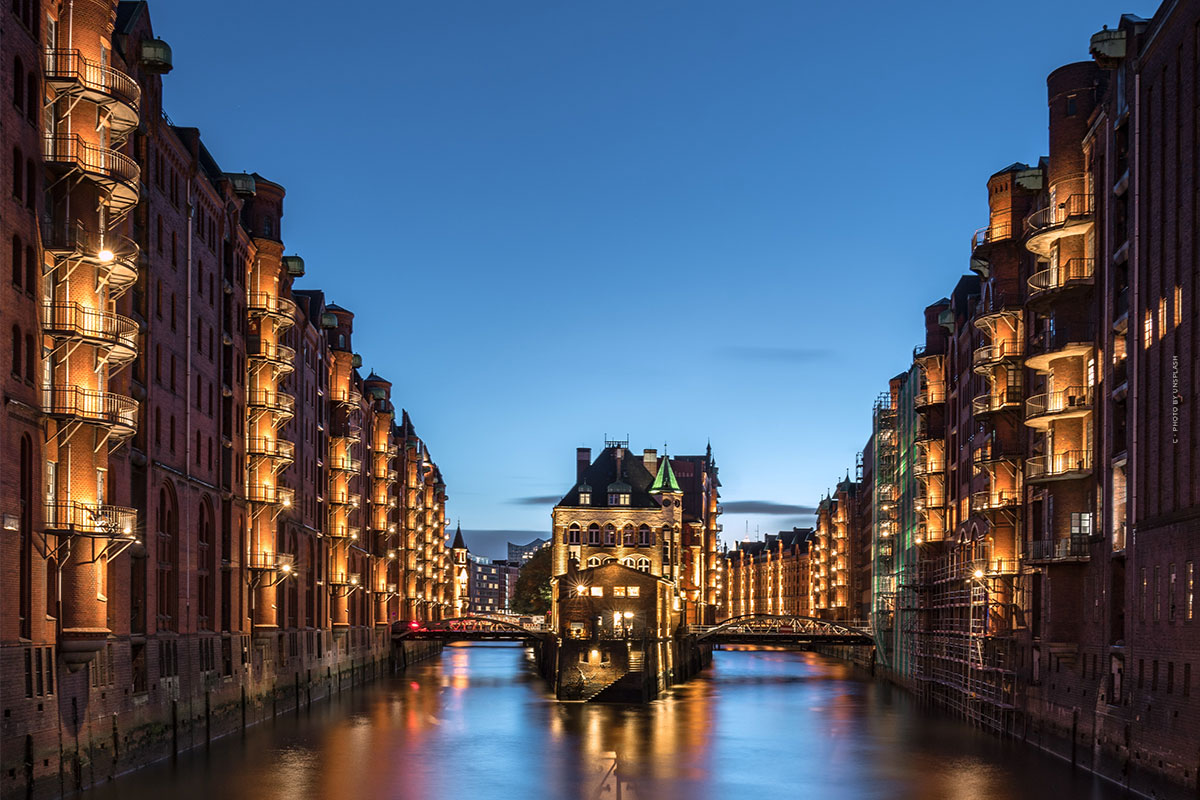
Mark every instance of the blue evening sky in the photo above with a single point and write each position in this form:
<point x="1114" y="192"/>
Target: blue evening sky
<point x="677" y="221"/>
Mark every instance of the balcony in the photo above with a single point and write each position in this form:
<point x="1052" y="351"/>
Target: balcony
<point x="271" y="562"/>
<point x="279" y="309"/>
<point x="928" y="467"/>
<point x="279" y="450"/>
<point x="996" y="402"/>
<point x="1075" y="273"/>
<point x="1062" y="340"/>
<point x="990" y="355"/>
<point x="982" y="241"/>
<point x="113" y="333"/>
<point x="385" y="449"/>
<point x="345" y="464"/>
<point x="269" y="494"/>
<point x="1067" y="465"/>
<point x="1044" y="227"/>
<point x="279" y="404"/>
<point x="73" y="518"/>
<point x="339" y="530"/>
<point x="1070" y="548"/>
<point x="279" y="356"/>
<point x="115" y="173"/>
<point x="930" y="395"/>
<point x="923" y="503"/>
<point x="344" y="498"/>
<point x="994" y="500"/>
<point x="115" y="257"/>
<point x="989" y="455"/>
<point x="116" y="413"/>
<point x="349" y="397"/>
<point x="72" y="75"/>
<point x="1043" y="409"/>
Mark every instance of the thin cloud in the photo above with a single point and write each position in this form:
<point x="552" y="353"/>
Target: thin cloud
<point x="790" y="355"/>
<point x="538" y="500"/>
<point x="767" y="507"/>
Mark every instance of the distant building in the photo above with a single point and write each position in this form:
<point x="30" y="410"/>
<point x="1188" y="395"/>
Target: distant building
<point x="769" y="576"/>
<point x="520" y="553"/>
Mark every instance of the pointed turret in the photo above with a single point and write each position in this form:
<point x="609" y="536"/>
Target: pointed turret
<point x="665" y="480"/>
<point x="459" y="544"/>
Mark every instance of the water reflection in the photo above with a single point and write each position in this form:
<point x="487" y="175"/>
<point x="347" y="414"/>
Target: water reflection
<point x="476" y="722"/>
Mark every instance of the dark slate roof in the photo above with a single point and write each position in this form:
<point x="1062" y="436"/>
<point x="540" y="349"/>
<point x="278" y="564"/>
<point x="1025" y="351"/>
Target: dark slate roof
<point x="459" y="544"/>
<point x="603" y="472"/>
<point x="127" y="14"/>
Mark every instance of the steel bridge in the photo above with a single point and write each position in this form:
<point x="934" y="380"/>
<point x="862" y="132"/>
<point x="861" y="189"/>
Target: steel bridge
<point x="471" y="628"/>
<point x="780" y="629"/>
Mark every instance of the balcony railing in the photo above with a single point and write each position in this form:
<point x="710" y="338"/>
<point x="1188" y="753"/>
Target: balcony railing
<point x="104" y="328"/>
<point x="271" y="562"/>
<point x="270" y="494"/>
<point x="929" y="395"/>
<point x="343" y="531"/>
<point x="280" y="449"/>
<point x="994" y="499"/>
<point x="1070" y="548"/>
<point x="115" y="256"/>
<point x="113" y="411"/>
<point x="343" y="498"/>
<point x="1059" y="340"/>
<point x="116" y="171"/>
<point x="280" y="356"/>
<point x="345" y="464"/>
<point x="989" y="454"/>
<point x="990" y="234"/>
<point x="1073" y="400"/>
<point x="65" y="69"/>
<point x="278" y="403"/>
<point x="89" y="519"/>
<point x="994" y="402"/>
<point x="281" y="309"/>
<point x="995" y="353"/>
<point x="1075" y="272"/>
<point x="1067" y="464"/>
<point x="1076" y="207"/>
<point x="923" y="467"/>
<point x="351" y="397"/>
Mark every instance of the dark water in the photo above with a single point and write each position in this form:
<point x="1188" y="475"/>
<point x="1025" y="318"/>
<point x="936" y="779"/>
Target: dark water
<point x="477" y="724"/>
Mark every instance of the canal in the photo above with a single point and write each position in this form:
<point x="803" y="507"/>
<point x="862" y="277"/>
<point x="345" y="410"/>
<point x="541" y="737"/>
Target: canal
<point x="476" y="722"/>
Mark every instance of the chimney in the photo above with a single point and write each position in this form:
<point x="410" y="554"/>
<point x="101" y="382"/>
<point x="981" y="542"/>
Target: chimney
<point x="583" y="460"/>
<point x="650" y="459"/>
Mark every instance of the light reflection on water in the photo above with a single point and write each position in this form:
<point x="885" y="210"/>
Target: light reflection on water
<point x="477" y="723"/>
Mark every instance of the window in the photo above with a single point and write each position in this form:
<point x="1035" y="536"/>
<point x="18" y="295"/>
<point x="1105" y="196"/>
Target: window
<point x="16" y="351"/>
<point x="1171" y="593"/>
<point x="573" y="534"/>
<point x="1157" y="595"/>
<point x="633" y="591"/>
<point x="618" y="591"/>
<point x="610" y="536"/>
<point x="597" y="591"/>
<point x="643" y="564"/>
<point x="1081" y="525"/>
<point x="594" y="561"/>
<point x="594" y="534"/>
<point x="645" y="537"/>
<point x="1142" y="595"/>
<point x="585" y="498"/>
<point x="629" y="562"/>
<point x="17" y="272"/>
<point x="18" y="180"/>
<point x="18" y="83"/>
<point x="1190" y="586"/>
<point x="1072" y="105"/>
<point x="627" y="536"/>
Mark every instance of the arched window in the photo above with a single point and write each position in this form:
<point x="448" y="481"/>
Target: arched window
<point x="30" y="183"/>
<point x="645" y="536"/>
<point x="19" y="83"/>
<point x="594" y="534"/>
<point x="206" y="568"/>
<point x="18" y="272"/>
<point x="573" y="534"/>
<point x="610" y="535"/>
<point x="18" y="176"/>
<point x="30" y="358"/>
<point x="167" y="557"/>
<point x="30" y="269"/>
<point x="25" y="567"/>
<point x="628" y="561"/>
<point x="594" y="561"/>
<point x="16" y="351"/>
<point x="643" y="564"/>
<point x="31" y="97"/>
<point x="627" y="536"/>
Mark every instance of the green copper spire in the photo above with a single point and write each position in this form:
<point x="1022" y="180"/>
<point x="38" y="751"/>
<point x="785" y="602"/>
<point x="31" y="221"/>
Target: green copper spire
<point x="665" y="481"/>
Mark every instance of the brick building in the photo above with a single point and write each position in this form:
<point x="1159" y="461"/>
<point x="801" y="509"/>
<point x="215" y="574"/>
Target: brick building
<point x="769" y="576"/>
<point x="206" y="501"/>
<point x="839" y="564"/>
<point x="1045" y="585"/>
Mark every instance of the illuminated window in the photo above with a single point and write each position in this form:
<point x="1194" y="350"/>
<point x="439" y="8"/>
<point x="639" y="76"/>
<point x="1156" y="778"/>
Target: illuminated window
<point x="1162" y="316"/>
<point x="585" y="498"/>
<point x="633" y="591"/>
<point x="1178" y="305"/>
<point x="597" y="591"/>
<point x="618" y="591"/>
<point x="643" y="564"/>
<point x="1147" y="330"/>
<point x="1190" y="576"/>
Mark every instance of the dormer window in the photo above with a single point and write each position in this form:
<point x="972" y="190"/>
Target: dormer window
<point x="618" y="499"/>
<point x="585" y="498"/>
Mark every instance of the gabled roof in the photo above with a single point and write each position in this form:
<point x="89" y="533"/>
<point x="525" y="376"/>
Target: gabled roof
<point x="603" y="472"/>
<point x="459" y="544"/>
<point x="665" y="480"/>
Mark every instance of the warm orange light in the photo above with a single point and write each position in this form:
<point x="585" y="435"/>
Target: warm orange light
<point x="105" y="256"/>
<point x="978" y="573"/>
